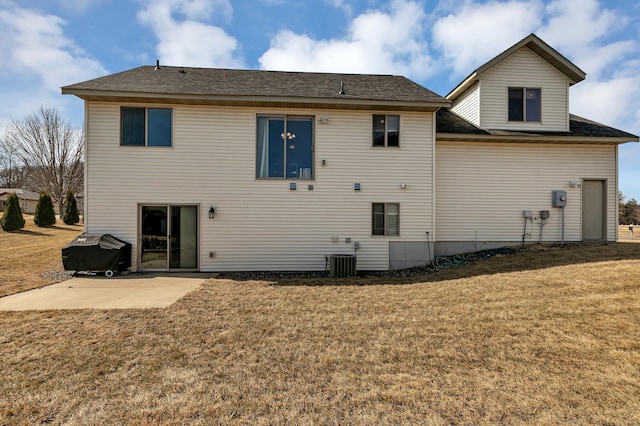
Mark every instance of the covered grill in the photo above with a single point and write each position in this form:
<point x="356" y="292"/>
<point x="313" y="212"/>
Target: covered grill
<point x="97" y="253"/>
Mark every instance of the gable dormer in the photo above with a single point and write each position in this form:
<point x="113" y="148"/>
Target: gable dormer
<point x="525" y="88"/>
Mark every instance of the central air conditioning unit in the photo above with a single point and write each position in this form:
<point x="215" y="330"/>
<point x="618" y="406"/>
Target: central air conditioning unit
<point x="343" y="265"/>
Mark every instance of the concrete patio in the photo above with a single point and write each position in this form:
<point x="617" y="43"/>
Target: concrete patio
<point x="133" y="291"/>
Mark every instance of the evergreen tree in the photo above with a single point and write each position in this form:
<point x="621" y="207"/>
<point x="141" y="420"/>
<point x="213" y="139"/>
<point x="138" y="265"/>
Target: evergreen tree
<point x="12" y="219"/>
<point x="71" y="216"/>
<point x="44" y="215"/>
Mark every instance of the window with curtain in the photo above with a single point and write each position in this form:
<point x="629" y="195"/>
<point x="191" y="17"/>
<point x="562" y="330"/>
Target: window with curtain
<point x="385" y="219"/>
<point x="284" y="147"/>
<point x="146" y="126"/>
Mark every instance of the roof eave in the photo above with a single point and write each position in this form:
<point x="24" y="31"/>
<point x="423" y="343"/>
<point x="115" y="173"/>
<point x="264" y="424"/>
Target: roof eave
<point x="464" y="85"/>
<point x="591" y="140"/>
<point x="253" y="101"/>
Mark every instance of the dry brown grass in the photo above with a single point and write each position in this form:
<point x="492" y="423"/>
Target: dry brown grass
<point x="545" y="337"/>
<point x="28" y="253"/>
<point x="624" y="235"/>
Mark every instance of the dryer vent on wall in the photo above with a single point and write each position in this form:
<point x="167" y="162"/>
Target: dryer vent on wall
<point x="343" y="265"/>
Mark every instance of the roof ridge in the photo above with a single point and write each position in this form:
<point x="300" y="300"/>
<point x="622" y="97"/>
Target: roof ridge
<point x="178" y="67"/>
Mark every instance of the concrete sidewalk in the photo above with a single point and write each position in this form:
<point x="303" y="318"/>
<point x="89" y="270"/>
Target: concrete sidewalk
<point x="135" y="291"/>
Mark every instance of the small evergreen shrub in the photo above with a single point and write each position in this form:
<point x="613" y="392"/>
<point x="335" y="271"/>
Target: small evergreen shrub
<point x="71" y="216"/>
<point x="44" y="215"/>
<point x="12" y="219"/>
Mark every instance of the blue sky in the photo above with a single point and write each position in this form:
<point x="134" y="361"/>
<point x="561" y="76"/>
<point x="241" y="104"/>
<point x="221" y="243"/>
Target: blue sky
<point x="46" y="44"/>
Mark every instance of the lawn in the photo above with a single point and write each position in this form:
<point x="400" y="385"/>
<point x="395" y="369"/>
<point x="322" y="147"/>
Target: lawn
<point x="548" y="336"/>
<point x="27" y="254"/>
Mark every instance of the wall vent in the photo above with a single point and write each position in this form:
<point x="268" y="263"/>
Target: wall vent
<point x="343" y="265"/>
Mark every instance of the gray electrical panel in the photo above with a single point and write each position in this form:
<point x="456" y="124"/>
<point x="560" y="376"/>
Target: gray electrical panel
<point x="559" y="198"/>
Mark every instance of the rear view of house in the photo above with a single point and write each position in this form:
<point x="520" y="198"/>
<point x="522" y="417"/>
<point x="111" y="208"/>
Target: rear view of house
<point x="212" y="169"/>
<point x="223" y="170"/>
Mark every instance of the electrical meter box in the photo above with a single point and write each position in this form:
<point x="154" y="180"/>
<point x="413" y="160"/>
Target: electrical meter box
<point x="559" y="198"/>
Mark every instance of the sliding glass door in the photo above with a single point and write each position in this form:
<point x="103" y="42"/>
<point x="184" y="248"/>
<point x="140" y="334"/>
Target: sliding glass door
<point x="168" y="237"/>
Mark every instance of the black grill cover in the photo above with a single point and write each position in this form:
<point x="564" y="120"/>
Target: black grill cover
<point x="96" y="252"/>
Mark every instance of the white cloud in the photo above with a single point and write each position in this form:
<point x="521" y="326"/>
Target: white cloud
<point x="598" y="60"/>
<point x="606" y="101"/>
<point x="191" y="42"/>
<point x="36" y="59"/>
<point x="376" y="42"/>
<point x="478" y="32"/>
<point x="203" y="9"/>
<point x="573" y="25"/>
<point x="341" y="4"/>
<point x="35" y="44"/>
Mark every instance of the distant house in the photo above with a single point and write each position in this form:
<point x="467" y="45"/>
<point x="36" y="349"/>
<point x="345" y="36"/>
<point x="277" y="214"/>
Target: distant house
<point x="223" y="170"/>
<point x="28" y="199"/>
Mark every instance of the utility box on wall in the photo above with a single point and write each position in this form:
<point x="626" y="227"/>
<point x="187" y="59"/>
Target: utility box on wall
<point x="559" y="198"/>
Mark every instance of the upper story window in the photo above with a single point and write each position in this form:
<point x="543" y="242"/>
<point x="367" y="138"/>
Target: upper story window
<point x="284" y="147"/>
<point x="386" y="130"/>
<point x="525" y="104"/>
<point x="385" y="219"/>
<point x="146" y="126"/>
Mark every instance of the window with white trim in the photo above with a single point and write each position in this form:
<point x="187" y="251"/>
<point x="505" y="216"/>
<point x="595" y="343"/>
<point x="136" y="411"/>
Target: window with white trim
<point x="525" y="104"/>
<point x="146" y="126"/>
<point x="386" y="130"/>
<point x="385" y="219"/>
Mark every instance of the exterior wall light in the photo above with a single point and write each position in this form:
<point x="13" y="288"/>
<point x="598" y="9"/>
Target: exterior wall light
<point x="212" y="212"/>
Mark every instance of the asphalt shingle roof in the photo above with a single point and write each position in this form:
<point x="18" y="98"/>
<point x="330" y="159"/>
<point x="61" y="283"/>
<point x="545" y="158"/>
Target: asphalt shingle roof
<point x="212" y="82"/>
<point x="449" y="122"/>
<point x="23" y="194"/>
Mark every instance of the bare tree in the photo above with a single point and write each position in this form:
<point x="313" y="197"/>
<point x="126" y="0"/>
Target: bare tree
<point x="50" y="151"/>
<point x="11" y="171"/>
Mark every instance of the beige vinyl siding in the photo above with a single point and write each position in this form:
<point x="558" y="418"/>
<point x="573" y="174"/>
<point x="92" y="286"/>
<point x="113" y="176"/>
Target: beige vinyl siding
<point x="261" y="224"/>
<point x="482" y="188"/>
<point x="524" y="69"/>
<point x="467" y="105"/>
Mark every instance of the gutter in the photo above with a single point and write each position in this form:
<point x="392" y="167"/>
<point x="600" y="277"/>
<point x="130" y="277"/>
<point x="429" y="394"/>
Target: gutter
<point x="587" y="140"/>
<point x="255" y="101"/>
